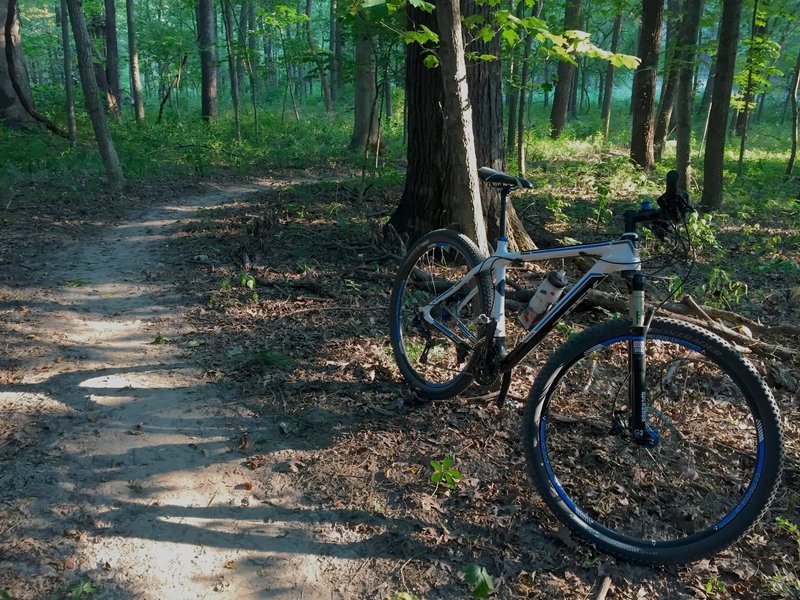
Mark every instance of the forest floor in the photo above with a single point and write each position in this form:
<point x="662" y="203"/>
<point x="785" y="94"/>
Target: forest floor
<point x="199" y="400"/>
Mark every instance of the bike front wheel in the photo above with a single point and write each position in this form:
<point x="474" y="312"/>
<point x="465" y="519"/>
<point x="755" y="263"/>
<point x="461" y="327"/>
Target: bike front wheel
<point x="435" y="358"/>
<point x="711" y="474"/>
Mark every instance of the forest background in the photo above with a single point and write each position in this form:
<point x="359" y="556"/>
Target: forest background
<point x="593" y="100"/>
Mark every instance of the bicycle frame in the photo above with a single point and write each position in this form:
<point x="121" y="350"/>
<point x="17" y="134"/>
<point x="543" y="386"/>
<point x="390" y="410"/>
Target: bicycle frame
<point x="612" y="257"/>
<point x="616" y="256"/>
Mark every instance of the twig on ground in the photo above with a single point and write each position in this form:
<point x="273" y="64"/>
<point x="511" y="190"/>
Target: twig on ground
<point x="604" y="587"/>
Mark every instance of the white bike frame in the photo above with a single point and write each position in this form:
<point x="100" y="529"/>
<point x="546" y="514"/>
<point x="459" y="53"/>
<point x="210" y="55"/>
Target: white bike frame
<point x="611" y="257"/>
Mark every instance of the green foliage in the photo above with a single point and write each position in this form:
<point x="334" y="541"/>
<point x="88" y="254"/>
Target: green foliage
<point x="721" y="290"/>
<point x="445" y="472"/>
<point x="247" y="280"/>
<point x="478" y="580"/>
<point x="714" y="585"/>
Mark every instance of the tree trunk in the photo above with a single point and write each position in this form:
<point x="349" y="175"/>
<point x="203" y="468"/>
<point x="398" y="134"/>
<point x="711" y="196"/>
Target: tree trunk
<point x="15" y="93"/>
<point x="207" y="41"/>
<point x="421" y="209"/>
<point x="608" y="94"/>
<point x="748" y="95"/>
<point x="387" y="91"/>
<point x="333" y="33"/>
<point x="83" y="48"/>
<point x="461" y="187"/>
<point x="68" y="89"/>
<point x="523" y="101"/>
<point x="562" y="94"/>
<point x="513" y="90"/>
<point x="227" y="18"/>
<point x="112" y="58"/>
<point x="793" y="100"/>
<point x="323" y="74"/>
<point x="365" y="130"/>
<point x="133" y="52"/>
<point x="687" y="39"/>
<point x="644" y="85"/>
<point x="672" y="61"/>
<point x="720" y="104"/>
<point x="743" y="118"/>
<point x="486" y="100"/>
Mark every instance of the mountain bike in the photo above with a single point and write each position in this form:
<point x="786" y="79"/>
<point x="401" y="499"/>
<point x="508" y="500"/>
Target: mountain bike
<point x="650" y="438"/>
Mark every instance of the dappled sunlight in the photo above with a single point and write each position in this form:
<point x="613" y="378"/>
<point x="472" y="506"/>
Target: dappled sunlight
<point x="176" y="378"/>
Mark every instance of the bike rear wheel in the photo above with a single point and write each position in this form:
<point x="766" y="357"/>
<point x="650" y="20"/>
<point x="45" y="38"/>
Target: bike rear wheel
<point x="713" y="472"/>
<point x="432" y="362"/>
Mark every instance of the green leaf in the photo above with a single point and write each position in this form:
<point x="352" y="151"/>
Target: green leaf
<point x="159" y="339"/>
<point x="479" y="581"/>
<point x="422" y="5"/>
<point x="436" y="465"/>
<point x="436" y="477"/>
<point x="510" y="36"/>
<point x="431" y="61"/>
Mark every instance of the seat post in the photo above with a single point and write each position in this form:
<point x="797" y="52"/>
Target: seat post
<point x="504" y="191"/>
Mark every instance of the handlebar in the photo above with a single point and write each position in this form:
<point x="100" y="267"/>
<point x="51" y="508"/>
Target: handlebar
<point x="673" y="208"/>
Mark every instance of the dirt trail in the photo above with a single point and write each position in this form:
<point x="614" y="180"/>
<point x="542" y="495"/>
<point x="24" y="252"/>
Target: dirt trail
<point x="125" y="467"/>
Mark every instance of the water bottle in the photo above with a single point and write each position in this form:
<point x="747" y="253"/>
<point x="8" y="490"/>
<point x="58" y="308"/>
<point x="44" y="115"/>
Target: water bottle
<point x="547" y="294"/>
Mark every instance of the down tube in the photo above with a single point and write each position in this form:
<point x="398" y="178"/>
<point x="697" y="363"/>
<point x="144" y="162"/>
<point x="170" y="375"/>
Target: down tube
<point x="549" y="321"/>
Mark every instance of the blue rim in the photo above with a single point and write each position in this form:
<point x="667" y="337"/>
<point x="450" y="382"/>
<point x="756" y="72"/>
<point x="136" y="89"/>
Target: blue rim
<point x="585" y="518"/>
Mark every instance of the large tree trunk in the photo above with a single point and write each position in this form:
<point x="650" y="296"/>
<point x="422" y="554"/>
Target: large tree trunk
<point x="83" y="47"/>
<point x="365" y="129"/>
<point x="461" y="188"/>
<point x="793" y="100"/>
<point x="566" y="71"/>
<point x="420" y="208"/>
<point x="608" y="93"/>
<point x="133" y="52"/>
<point x="669" y="84"/>
<point x="15" y="93"/>
<point x="486" y="100"/>
<point x="720" y="105"/>
<point x="207" y="41"/>
<point x="644" y="85"/>
<point x="684" y="103"/>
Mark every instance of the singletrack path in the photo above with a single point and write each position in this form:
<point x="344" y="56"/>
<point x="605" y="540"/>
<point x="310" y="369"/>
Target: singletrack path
<point x="122" y="468"/>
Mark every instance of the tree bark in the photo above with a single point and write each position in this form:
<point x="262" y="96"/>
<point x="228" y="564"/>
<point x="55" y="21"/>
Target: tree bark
<point x="672" y="60"/>
<point x="684" y="103"/>
<point x="207" y="41"/>
<point x="565" y="74"/>
<point x="83" y="48"/>
<point x="462" y="189"/>
<point x="112" y="57"/>
<point x="68" y="88"/>
<point x="608" y="93"/>
<point x="720" y="105"/>
<point x="365" y="129"/>
<point x="644" y="85"/>
<point x="133" y="52"/>
<point x="420" y="208"/>
<point x="793" y="100"/>
<point x="227" y="18"/>
<point x="13" y="98"/>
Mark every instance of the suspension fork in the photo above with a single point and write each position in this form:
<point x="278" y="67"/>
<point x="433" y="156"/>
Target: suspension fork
<point x="637" y="365"/>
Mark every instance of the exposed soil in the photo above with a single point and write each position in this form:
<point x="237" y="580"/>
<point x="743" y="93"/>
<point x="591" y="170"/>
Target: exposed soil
<point x="199" y="400"/>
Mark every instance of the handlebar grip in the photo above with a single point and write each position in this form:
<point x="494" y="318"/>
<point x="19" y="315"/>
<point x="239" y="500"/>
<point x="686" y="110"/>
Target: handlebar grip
<point x="672" y="184"/>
